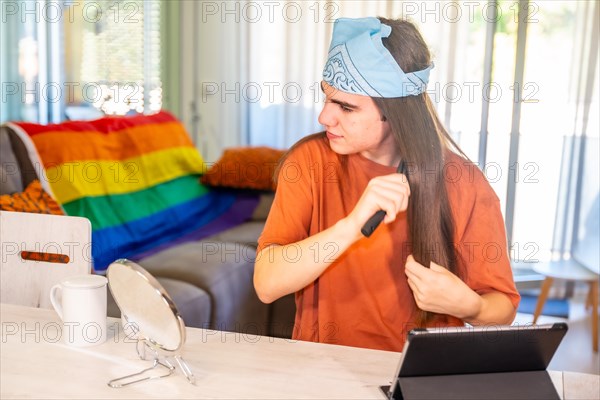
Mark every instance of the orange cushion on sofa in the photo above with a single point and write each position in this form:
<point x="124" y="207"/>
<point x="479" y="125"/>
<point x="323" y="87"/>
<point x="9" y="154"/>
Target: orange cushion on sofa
<point x="245" y="168"/>
<point x="33" y="199"/>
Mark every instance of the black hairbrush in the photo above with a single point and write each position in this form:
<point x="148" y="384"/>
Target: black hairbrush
<point x="376" y="219"/>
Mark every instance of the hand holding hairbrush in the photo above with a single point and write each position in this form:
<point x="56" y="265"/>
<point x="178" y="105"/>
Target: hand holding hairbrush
<point x="373" y="222"/>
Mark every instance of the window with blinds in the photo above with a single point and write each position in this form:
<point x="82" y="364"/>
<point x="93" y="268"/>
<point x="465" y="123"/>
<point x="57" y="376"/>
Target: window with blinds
<point x="112" y="57"/>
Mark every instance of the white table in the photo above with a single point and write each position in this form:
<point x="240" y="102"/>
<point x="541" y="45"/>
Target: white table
<point x="226" y="365"/>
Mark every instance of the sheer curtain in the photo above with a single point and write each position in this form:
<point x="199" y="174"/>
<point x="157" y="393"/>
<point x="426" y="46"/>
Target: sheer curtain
<point x="578" y="211"/>
<point x="560" y="87"/>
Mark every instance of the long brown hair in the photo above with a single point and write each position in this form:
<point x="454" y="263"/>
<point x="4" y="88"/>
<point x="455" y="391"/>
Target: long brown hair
<point x="423" y="143"/>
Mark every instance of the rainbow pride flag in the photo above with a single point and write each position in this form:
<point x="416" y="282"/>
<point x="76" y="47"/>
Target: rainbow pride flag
<point x="135" y="178"/>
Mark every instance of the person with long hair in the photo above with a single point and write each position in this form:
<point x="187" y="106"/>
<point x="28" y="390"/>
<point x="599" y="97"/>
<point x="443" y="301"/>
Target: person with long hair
<point x="439" y="257"/>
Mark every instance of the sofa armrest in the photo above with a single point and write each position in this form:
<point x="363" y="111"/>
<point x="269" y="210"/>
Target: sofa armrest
<point x="16" y="168"/>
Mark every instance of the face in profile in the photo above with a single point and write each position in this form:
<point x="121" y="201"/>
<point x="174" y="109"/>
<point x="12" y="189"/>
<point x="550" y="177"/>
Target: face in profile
<point x="354" y="125"/>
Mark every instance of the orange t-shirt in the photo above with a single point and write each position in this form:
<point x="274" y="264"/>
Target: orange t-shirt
<point x="363" y="299"/>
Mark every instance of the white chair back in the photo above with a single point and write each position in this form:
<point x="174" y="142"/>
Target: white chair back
<point x="28" y="282"/>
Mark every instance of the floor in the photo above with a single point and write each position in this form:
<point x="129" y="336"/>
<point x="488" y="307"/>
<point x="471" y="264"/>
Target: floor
<point x="575" y="351"/>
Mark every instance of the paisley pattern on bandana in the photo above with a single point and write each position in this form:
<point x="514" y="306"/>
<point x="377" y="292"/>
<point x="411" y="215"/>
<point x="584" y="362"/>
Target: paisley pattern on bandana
<point x="340" y="73"/>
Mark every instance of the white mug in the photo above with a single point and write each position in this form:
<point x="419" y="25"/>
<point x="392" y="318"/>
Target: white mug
<point x="82" y="308"/>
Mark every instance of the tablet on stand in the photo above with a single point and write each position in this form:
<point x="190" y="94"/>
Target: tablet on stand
<point x="477" y="363"/>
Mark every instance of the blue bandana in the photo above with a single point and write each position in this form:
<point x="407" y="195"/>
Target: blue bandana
<point x="358" y="63"/>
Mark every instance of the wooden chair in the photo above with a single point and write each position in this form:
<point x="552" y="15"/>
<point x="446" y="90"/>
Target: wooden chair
<point x="570" y="270"/>
<point x="27" y="238"/>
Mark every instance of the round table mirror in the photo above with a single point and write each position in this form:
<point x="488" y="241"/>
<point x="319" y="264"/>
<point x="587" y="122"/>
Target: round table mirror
<point x="150" y="316"/>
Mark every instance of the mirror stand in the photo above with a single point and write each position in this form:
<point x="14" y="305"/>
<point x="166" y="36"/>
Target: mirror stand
<point x="157" y="362"/>
<point x="187" y="372"/>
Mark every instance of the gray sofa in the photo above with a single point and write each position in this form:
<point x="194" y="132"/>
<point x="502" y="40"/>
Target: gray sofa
<point x="211" y="289"/>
